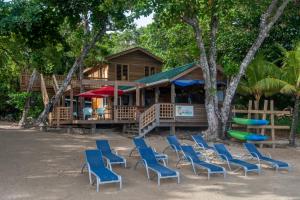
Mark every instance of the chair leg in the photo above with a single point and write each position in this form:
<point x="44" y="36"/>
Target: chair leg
<point x="120" y="183"/>
<point x="83" y="166"/>
<point x="148" y="173"/>
<point x="90" y="178"/>
<point x="177" y="155"/>
<point x="194" y="169"/>
<point x="97" y="184"/>
<point x="130" y="154"/>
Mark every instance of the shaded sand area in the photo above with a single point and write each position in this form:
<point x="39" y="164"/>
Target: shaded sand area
<point x="37" y="165"/>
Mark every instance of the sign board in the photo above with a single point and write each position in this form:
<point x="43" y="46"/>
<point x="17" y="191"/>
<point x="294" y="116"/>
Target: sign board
<point x="184" y="111"/>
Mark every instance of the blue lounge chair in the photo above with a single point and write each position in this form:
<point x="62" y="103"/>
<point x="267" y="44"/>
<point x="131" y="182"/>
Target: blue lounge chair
<point x="191" y="156"/>
<point x="97" y="168"/>
<point x="277" y="164"/>
<point x="140" y="143"/>
<point x="174" y="145"/>
<point x="224" y="154"/>
<point x="200" y="142"/>
<point x="111" y="157"/>
<point x="152" y="164"/>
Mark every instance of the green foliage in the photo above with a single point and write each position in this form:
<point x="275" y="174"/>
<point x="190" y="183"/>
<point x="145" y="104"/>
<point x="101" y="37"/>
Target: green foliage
<point x="258" y="70"/>
<point x="18" y="100"/>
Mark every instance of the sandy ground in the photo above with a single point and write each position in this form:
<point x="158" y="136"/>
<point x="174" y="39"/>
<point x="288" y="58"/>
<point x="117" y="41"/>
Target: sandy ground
<point x="36" y="165"/>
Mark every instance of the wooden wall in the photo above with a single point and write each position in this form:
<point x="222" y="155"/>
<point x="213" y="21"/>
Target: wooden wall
<point x="136" y="62"/>
<point x="199" y="114"/>
<point x="198" y="75"/>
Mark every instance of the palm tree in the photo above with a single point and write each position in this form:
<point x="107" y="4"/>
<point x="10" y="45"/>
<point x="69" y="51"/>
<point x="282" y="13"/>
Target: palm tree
<point x="288" y="83"/>
<point x="258" y="70"/>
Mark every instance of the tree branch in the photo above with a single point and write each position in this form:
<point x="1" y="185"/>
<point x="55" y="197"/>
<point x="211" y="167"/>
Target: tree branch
<point x="231" y="89"/>
<point x="214" y="21"/>
<point x="194" y="23"/>
<point x="267" y="14"/>
<point x="43" y="116"/>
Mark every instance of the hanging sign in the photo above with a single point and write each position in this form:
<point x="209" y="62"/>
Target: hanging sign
<point x="184" y="111"/>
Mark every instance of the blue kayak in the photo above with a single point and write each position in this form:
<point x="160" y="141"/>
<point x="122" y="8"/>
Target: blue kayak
<point x="245" y="121"/>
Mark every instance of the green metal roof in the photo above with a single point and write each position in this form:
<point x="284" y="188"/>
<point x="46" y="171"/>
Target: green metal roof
<point x="166" y="75"/>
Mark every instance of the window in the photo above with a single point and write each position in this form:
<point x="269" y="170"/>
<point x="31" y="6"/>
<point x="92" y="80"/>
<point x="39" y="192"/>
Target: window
<point x="122" y="72"/>
<point x="125" y="73"/>
<point x="152" y="71"/>
<point x="119" y="72"/>
<point x="147" y="73"/>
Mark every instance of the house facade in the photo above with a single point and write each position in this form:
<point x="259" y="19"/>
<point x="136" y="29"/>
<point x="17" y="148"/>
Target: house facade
<point x="152" y="97"/>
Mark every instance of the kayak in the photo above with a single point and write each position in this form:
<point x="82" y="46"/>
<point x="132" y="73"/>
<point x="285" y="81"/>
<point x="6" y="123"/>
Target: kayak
<point x="245" y="121"/>
<point x="241" y="135"/>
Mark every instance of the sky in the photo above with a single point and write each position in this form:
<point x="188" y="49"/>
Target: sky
<point x="144" y="21"/>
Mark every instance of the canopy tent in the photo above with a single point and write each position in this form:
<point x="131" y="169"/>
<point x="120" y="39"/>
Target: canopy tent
<point x="185" y="83"/>
<point x="107" y="91"/>
<point x="90" y="94"/>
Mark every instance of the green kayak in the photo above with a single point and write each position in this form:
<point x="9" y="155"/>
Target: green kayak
<point x="241" y="135"/>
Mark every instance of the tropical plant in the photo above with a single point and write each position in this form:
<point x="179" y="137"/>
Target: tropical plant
<point x="288" y="83"/>
<point x="259" y="69"/>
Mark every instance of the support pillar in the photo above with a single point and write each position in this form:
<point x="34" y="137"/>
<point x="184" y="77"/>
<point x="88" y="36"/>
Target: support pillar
<point x="156" y="94"/>
<point x="143" y="97"/>
<point x="173" y="93"/>
<point x="115" y="100"/>
<point x="71" y="103"/>
<point x="137" y="96"/>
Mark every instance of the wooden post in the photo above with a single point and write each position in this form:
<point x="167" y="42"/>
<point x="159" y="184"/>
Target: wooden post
<point x="264" y="116"/>
<point x="272" y="123"/>
<point x="57" y="117"/>
<point x="156" y="94"/>
<point x="137" y="96"/>
<point x="71" y="103"/>
<point x="173" y="93"/>
<point x="143" y="97"/>
<point x="249" y="113"/>
<point x="115" y="100"/>
<point x="130" y="100"/>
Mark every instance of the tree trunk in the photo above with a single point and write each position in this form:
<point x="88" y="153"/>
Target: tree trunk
<point x="212" y="119"/>
<point x="23" y="120"/>
<point x="81" y="99"/>
<point x="265" y="28"/>
<point x="44" y="115"/>
<point x="295" y="120"/>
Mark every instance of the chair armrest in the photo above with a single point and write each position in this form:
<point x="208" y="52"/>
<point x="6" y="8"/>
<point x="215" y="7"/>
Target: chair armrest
<point x="145" y="163"/>
<point x="255" y="156"/>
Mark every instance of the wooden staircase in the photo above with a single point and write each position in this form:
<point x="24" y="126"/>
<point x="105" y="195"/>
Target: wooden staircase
<point x="131" y="129"/>
<point x="154" y="116"/>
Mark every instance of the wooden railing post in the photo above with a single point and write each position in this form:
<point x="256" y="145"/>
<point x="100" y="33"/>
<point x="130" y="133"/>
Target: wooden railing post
<point x="116" y="101"/>
<point x="157" y="113"/>
<point x="71" y="103"/>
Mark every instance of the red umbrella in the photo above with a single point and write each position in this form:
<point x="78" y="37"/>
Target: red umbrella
<point x="107" y="91"/>
<point x="90" y="94"/>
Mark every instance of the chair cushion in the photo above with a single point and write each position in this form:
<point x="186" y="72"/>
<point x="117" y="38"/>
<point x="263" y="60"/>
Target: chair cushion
<point x="160" y="155"/>
<point x="164" y="171"/>
<point x="279" y="163"/>
<point x="113" y="158"/>
<point x="249" y="166"/>
<point x="105" y="174"/>
<point x="213" y="168"/>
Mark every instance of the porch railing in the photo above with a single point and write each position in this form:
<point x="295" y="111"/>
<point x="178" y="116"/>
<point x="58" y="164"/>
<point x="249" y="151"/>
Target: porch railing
<point x="125" y="112"/>
<point x="148" y="117"/>
<point x="60" y="114"/>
